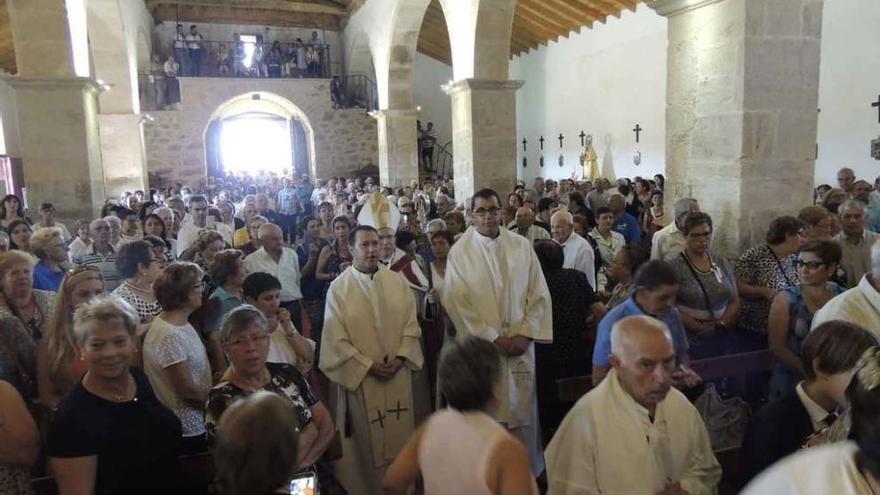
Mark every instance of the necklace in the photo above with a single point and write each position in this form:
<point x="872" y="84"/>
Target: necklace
<point x="129" y="394"/>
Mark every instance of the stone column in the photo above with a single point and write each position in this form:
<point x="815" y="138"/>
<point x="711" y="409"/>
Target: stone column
<point x="483" y="135"/>
<point x="57" y="113"/>
<point x="398" y="146"/>
<point x="742" y="99"/>
<point x="60" y="149"/>
<point x="122" y="151"/>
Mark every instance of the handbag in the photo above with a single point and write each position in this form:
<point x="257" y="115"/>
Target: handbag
<point x="726" y="419"/>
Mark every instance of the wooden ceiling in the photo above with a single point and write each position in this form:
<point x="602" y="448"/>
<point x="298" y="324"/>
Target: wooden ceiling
<point x="535" y="22"/>
<point x="320" y="14"/>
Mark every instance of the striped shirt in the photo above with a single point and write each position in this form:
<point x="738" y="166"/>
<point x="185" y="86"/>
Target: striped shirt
<point x="107" y="265"/>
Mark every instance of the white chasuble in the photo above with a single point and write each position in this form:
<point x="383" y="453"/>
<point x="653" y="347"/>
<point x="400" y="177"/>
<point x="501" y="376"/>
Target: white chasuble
<point x="495" y="287"/>
<point x="372" y="319"/>
<point x="607" y="444"/>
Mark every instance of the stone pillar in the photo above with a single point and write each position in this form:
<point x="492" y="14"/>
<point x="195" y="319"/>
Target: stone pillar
<point x="742" y="98"/>
<point x="483" y="135"/>
<point x="122" y="151"/>
<point x="398" y="146"/>
<point x="60" y="148"/>
<point x="57" y="113"/>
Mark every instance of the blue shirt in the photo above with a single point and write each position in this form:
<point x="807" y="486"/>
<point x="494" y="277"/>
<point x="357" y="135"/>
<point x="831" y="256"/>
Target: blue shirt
<point x="672" y="319"/>
<point x="46" y="279"/>
<point x="629" y="228"/>
<point x="312" y="289"/>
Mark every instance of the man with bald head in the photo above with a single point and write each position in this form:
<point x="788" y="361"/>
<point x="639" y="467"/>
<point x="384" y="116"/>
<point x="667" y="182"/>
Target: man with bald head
<point x="281" y="262"/>
<point x="859" y="305"/>
<point x="579" y="254"/>
<point x="525" y="226"/>
<point x="634" y="433"/>
<point x="846" y="177"/>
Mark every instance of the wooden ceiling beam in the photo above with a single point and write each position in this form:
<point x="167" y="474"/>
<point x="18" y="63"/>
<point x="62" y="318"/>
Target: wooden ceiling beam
<point x="274" y="5"/>
<point x="547" y="17"/>
<point x="522" y="37"/>
<point x="575" y="11"/>
<point x="539" y="30"/>
<point x="606" y="7"/>
<point x="435" y="53"/>
<point x="233" y="15"/>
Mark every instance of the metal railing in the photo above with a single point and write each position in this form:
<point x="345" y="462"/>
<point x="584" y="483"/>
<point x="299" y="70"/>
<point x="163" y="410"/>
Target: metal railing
<point x="443" y="162"/>
<point x="354" y="91"/>
<point x="248" y="59"/>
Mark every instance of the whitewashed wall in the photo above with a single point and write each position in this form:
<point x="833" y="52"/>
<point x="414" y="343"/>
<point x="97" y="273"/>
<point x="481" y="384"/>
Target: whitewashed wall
<point x="849" y="81"/>
<point x="603" y="81"/>
<point x="429" y="75"/>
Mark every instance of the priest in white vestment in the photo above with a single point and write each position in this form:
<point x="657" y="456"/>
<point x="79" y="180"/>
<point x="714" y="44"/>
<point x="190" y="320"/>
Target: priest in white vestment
<point x="579" y="254"/>
<point x="369" y="350"/>
<point x="859" y="305"/>
<point x="634" y="434"/>
<point x="494" y="289"/>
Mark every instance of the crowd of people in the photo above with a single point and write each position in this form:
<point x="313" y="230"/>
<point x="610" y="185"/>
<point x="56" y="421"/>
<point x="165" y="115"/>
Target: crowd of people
<point x="369" y="339"/>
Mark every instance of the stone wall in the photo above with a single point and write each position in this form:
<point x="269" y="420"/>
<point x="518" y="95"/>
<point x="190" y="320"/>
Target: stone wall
<point x="345" y="140"/>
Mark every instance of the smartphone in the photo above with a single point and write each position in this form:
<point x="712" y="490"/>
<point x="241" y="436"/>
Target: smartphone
<point x="304" y="484"/>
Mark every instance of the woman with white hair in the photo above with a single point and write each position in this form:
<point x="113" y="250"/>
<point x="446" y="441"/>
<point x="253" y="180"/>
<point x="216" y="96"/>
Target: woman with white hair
<point x="48" y="245"/>
<point x="111" y="433"/>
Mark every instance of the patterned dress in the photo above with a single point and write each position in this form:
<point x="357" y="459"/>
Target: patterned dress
<point x="759" y="267"/>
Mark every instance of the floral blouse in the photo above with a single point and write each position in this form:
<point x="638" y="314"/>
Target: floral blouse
<point x="759" y="267"/>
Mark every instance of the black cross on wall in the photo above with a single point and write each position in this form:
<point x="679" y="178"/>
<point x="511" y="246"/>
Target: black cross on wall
<point x="582" y="135"/>
<point x="876" y="105"/>
<point x="524" y="143"/>
<point x="542" y="142"/>
<point x="637" y="130"/>
<point x="561" y="137"/>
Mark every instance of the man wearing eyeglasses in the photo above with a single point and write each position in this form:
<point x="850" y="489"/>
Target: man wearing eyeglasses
<point x="494" y="289"/>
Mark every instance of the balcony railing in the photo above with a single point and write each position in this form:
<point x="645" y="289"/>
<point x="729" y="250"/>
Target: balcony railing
<point x="248" y="59"/>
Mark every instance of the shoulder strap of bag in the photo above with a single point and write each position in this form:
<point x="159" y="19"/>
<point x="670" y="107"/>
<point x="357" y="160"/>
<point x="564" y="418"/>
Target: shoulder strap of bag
<point x="700" y="283"/>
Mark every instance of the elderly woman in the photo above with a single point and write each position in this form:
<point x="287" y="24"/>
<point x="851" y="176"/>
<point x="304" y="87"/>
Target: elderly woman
<point x="707" y="296"/>
<point x="32" y="307"/>
<point x="245" y="338"/>
<point x="765" y="270"/>
<point x="174" y="355"/>
<point x="463" y="449"/>
<point x="58" y="370"/>
<point x="574" y="303"/>
<point x="168" y="218"/>
<point x="20" y="440"/>
<point x="138" y="265"/>
<point x="621" y="272"/>
<point x="791" y="314"/>
<point x="115" y="224"/>
<point x="111" y="434"/>
<point x="11" y="210"/>
<point x="256" y="448"/>
<point x="286" y="345"/>
<point x="83" y="240"/>
<point x="48" y="245"/>
<point x="20" y="235"/>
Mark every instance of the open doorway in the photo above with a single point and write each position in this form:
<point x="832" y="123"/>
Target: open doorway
<point x="256" y="143"/>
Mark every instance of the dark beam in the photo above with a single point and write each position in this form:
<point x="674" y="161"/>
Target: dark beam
<point x="248" y="16"/>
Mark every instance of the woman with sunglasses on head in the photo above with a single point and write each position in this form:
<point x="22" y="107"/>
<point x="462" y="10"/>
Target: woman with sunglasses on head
<point x="58" y="369"/>
<point x="138" y="265"/>
<point x="792" y="311"/>
<point x="11" y="209"/>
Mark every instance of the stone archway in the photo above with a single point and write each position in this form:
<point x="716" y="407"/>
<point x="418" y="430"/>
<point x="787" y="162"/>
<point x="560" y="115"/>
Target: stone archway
<point x="303" y="134"/>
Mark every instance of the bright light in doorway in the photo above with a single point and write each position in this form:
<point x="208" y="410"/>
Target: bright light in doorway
<point x="255" y="143"/>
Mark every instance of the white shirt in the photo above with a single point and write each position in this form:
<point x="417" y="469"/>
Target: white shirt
<point x="823" y="470"/>
<point x="166" y="345"/>
<point x="194" y="41"/>
<point x="608" y="248"/>
<point x="859" y="305"/>
<point x="286" y="270"/>
<point x="579" y="256"/>
<point x="280" y="350"/>
<point x="607" y="444"/>
<point x="667" y="243"/>
<point x="816" y="412"/>
<point x="79" y="248"/>
<point x="189" y="233"/>
<point x="533" y="234"/>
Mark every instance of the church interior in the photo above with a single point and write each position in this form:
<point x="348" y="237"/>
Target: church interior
<point x="763" y="116"/>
